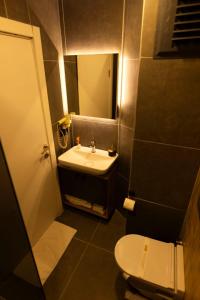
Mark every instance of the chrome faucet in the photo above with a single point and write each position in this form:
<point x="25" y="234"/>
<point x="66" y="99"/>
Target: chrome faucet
<point x="92" y="145"/>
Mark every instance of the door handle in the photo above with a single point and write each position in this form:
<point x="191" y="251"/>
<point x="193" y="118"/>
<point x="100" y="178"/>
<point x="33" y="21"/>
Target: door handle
<point x="45" y="149"/>
<point x="46" y="155"/>
<point x="45" y="152"/>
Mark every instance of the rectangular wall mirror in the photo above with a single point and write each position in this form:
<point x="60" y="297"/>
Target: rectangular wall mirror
<point x="92" y="84"/>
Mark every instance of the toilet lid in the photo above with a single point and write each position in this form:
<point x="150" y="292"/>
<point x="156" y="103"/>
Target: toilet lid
<point x="129" y="251"/>
<point x="146" y="258"/>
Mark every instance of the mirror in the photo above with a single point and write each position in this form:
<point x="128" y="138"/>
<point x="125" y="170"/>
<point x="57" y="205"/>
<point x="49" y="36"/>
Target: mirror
<point x="92" y="84"/>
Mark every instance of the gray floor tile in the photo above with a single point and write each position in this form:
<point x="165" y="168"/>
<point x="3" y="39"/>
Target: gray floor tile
<point x="108" y="232"/>
<point x="83" y="222"/>
<point x="96" y="278"/>
<point x="57" y="281"/>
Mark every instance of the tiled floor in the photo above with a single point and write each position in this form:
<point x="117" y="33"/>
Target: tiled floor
<point x="87" y="270"/>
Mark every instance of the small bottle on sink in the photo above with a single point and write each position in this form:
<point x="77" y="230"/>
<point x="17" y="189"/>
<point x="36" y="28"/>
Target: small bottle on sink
<point x="78" y="142"/>
<point x="112" y="151"/>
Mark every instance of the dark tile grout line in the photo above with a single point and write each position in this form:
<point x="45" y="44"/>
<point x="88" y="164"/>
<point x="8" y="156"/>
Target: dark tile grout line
<point x="165" y="144"/>
<point x="94" y="232"/>
<point x="73" y="272"/>
<point x="95" y="246"/>
<point x="160" y="204"/>
<point x="79" y="261"/>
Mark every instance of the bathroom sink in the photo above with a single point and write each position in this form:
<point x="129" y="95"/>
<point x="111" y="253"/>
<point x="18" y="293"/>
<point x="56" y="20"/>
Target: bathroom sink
<point x="83" y="160"/>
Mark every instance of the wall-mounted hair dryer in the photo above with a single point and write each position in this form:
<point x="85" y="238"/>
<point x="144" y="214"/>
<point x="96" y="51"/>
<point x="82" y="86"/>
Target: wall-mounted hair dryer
<point x="63" y="126"/>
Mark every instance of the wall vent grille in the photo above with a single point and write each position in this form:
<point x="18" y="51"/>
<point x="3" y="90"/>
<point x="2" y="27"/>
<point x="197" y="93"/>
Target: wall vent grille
<point x="186" y="31"/>
<point x="178" y="32"/>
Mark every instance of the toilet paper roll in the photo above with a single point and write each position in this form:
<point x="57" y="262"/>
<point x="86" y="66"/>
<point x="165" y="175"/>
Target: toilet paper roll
<point x="129" y="204"/>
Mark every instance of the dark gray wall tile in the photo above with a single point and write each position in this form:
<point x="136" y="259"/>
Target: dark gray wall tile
<point x="125" y="150"/>
<point x="191" y="243"/>
<point x="168" y="107"/>
<point x="103" y="131"/>
<point x="155" y="221"/>
<point x="133" y="22"/>
<point x="54" y="90"/>
<point x="164" y="174"/>
<point x="17" y="11"/>
<point x="49" y="50"/>
<point x="95" y="277"/>
<point x="70" y="58"/>
<point x="62" y="25"/>
<point x="129" y="95"/>
<point x="2" y="9"/>
<point x="55" y="284"/>
<point x="71" y="76"/>
<point x="121" y="190"/>
<point x="45" y="15"/>
<point x="93" y="25"/>
<point x="149" y="27"/>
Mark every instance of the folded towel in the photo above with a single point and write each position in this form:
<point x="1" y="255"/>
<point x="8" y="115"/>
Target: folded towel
<point x="98" y="208"/>
<point x="78" y="201"/>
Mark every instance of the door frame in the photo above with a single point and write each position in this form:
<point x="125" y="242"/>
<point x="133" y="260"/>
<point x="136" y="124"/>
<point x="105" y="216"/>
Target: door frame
<point x="11" y="27"/>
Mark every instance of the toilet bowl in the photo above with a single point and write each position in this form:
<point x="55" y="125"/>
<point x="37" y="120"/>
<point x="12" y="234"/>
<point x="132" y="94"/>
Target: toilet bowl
<point x="152" y="267"/>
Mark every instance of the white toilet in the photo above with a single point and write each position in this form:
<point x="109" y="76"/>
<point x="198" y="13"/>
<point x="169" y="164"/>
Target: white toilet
<point x="152" y="267"/>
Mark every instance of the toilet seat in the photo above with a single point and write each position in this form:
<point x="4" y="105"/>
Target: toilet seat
<point x="147" y="259"/>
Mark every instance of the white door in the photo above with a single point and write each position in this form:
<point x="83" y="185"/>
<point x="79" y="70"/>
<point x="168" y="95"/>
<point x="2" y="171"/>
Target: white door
<point x="24" y="129"/>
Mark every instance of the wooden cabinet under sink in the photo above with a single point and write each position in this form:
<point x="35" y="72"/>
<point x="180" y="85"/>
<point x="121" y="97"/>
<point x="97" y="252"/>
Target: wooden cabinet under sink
<point x="96" y="190"/>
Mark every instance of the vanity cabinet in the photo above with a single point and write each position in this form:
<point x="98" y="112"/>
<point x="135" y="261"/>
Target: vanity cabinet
<point x="91" y="193"/>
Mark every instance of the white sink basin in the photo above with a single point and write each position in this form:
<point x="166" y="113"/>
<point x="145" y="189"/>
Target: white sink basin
<point x="82" y="159"/>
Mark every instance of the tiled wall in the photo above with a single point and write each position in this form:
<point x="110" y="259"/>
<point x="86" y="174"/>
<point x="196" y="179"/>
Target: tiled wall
<point x="91" y="27"/>
<point x="104" y="131"/>
<point x="166" y="150"/>
<point x="131" y="60"/>
<point x="2" y="9"/>
<point x="191" y="242"/>
<point x="44" y="14"/>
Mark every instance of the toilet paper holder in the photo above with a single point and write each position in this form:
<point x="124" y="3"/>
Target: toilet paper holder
<point x="129" y="204"/>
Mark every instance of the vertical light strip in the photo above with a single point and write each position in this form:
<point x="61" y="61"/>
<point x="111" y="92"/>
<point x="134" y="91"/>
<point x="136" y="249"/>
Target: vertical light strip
<point x="120" y="74"/>
<point x="120" y="69"/>
<point x="61" y="62"/>
<point x="63" y="84"/>
<point x="119" y="84"/>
